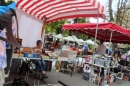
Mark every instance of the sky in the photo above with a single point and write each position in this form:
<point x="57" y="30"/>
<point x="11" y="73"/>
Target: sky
<point x="92" y="20"/>
<point x="104" y="3"/>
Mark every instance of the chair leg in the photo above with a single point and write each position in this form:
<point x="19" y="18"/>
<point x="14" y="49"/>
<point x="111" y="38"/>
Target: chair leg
<point x="34" y="82"/>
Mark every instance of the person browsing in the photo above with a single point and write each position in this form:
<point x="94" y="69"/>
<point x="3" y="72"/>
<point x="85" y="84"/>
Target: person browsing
<point x="101" y="50"/>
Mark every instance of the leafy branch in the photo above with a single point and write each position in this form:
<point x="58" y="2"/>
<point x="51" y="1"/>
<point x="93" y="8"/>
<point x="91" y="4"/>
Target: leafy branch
<point x="5" y="3"/>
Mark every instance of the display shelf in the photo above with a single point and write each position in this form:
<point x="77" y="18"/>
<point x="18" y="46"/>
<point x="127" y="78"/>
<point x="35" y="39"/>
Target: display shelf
<point x="100" y="65"/>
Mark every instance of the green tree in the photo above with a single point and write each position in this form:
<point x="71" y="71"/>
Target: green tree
<point x="82" y="20"/>
<point x="55" y="27"/>
<point x="4" y="3"/>
<point x="120" y="16"/>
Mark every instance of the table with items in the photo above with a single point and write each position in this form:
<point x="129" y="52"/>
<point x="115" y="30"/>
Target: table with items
<point x="95" y="68"/>
<point x="51" y="56"/>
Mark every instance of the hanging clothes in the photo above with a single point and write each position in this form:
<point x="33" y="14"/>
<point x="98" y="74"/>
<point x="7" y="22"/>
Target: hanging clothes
<point x="3" y="62"/>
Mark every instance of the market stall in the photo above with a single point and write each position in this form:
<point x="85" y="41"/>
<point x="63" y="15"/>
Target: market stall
<point x="37" y="13"/>
<point x="106" y="32"/>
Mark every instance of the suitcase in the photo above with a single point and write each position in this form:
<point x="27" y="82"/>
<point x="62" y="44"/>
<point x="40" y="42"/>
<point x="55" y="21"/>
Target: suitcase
<point x="48" y="65"/>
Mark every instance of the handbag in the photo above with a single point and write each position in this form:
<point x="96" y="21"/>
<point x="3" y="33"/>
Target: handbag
<point x="20" y="82"/>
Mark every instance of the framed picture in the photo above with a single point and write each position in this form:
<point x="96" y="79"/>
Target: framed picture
<point x="119" y="75"/>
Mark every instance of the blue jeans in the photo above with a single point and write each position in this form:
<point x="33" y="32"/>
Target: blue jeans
<point x="41" y="64"/>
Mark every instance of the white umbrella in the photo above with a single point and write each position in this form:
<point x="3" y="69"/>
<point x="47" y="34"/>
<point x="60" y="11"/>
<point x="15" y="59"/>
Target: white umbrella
<point x="69" y="38"/>
<point x="89" y="42"/>
<point x="81" y="41"/>
<point x="59" y="36"/>
<point x="107" y="44"/>
<point x="75" y="38"/>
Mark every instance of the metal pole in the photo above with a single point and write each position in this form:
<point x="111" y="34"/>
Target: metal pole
<point x="108" y="70"/>
<point x="110" y="38"/>
<point x="105" y="69"/>
<point x="94" y="46"/>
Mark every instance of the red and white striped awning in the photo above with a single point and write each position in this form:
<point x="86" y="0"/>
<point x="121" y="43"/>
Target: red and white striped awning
<point x="55" y="10"/>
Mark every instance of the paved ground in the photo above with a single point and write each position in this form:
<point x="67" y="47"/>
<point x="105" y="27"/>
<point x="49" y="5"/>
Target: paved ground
<point x="76" y="80"/>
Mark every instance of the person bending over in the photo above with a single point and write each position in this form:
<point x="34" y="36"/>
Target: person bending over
<point x="40" y="63"/>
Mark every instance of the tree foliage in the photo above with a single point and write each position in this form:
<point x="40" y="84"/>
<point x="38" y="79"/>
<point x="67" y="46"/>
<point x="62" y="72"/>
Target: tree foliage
<point x="56" y="27"/>
<point x="5" y="2"/>
<point x="120" y="15"/>
<point x="82" y="20"/>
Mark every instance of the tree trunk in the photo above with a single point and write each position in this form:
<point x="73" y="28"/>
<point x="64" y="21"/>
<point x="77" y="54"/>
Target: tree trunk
<point x="59" y="30"/>
<point x="111" y="18"/>
<point x="110" y="10"/>
<point x="76" y="20"/>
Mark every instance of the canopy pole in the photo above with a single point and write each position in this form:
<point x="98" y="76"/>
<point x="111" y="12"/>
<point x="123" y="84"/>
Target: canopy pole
<point x="94" y="46"/>
<point x="43" y="32"/>
<point x="111" y="38"/>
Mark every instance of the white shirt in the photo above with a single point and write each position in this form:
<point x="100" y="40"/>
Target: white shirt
<point x="101" y="50"/>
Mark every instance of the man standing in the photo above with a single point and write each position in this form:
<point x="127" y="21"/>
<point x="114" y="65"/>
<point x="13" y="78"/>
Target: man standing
<point x="101" y="50"/>
<point x="110" y="51"/>
<point x="49" y="41"/>
<point x="85" y="49"/>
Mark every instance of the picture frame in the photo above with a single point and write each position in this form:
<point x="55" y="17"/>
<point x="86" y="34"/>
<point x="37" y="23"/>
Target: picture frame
<point x="119" y="75"/>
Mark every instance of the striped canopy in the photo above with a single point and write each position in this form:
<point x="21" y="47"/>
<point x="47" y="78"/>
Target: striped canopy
<point x="54" y="10"/>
